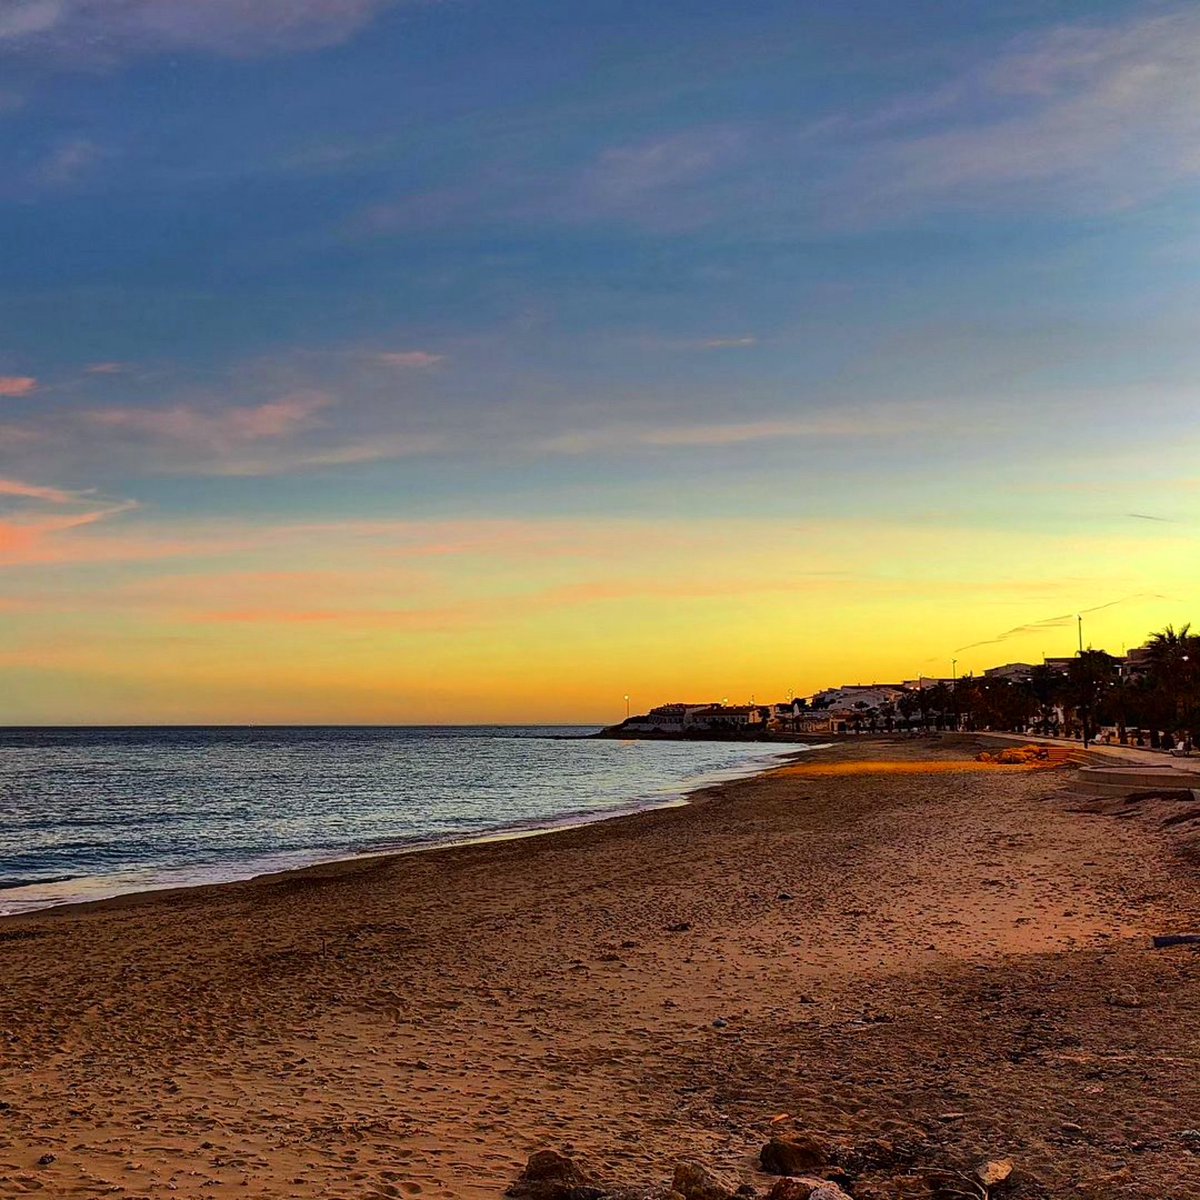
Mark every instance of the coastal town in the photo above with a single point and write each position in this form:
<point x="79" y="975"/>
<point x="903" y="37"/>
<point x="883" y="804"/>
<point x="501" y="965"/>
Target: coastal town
<point x="1149" y="696"/>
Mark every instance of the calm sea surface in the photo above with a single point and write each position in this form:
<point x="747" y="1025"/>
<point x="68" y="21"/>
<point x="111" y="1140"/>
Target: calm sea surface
<point x="91" y="813"/>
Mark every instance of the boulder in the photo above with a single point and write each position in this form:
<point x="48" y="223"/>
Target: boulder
<point x="798" y="1154"/>
<point x="549" y="1175"/>
<point x="694" y="1182"/>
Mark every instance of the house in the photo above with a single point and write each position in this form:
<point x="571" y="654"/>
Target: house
<point x="1010" y="672"/>
<point x="724" y="716"/>
<point x="794" y="716"/>
<point x="666" y="718"/>
<point x="858" y="698"/>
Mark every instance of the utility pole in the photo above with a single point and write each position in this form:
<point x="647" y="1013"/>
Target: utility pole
<point x="1085" y="684"/>
<point x="954" y="688"/>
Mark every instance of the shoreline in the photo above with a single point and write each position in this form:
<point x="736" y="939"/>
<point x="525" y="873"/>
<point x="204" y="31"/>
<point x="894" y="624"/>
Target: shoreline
<point x="674" y="798"/>
<point x="896" y="956"/>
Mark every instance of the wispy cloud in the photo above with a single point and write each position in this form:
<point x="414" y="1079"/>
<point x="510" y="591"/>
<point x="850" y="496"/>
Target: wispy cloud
<point x="65" y="164"/>
<point x="665" y="182"/>
<point x="1088" y="117"/>
<point x="848" y="424"/>
<point x="39" y="516"/>
<point x="1148" y="517"/>
<point x="33" y="491"/>
<point x="14" y="386"/>
<point x="408" y="359"/>
<point x="728" y="343"/>
<point x="337" y="454"/>
<point x="74" y="31"/>
<point x="218" y="429"/>
<point x="1062" y="621"/>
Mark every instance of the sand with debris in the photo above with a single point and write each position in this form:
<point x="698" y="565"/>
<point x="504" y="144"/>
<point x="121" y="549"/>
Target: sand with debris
<point x="897" y="941"/>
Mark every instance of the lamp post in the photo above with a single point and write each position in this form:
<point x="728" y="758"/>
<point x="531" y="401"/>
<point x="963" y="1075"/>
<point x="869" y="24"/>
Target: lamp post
<point x="954" y="688"/>
<point x="627" y="708"/>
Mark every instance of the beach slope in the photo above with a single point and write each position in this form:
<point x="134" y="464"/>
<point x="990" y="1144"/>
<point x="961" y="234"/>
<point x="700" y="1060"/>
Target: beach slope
<point x="885" y="942"/>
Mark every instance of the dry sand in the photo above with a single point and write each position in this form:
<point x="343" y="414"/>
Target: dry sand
<point x="938" y="949"/>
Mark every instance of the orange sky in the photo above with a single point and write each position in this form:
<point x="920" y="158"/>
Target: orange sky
<point x="117" y="618"/>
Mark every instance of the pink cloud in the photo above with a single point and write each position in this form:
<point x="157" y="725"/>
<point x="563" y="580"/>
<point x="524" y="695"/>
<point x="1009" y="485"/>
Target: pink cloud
<point x="218" y="428"/>
<point x="33" y="491"/>
<point x="17" y="385"/>
<point x="409" y="358"/>
<point x="38" y="536"/>
<point x="105" y="368"/>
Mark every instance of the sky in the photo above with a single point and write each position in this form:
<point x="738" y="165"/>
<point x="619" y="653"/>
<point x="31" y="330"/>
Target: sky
<point x="464" y="361"/>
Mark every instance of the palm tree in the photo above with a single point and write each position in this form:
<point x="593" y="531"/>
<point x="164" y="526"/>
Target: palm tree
<point x="1090" y="676"/>
<point x="1046" y="685"/>
<point x="1175" y="671"/>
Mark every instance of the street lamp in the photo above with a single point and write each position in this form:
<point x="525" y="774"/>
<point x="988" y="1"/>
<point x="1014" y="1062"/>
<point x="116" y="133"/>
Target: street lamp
<point x="627" y="708"/>
<point x="954" y="688"/>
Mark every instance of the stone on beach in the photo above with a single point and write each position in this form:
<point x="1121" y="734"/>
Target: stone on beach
<point x="549" y="1175"/>
<point x="805" y="1187"/>
<point x="994" y="1172"/>
<point x="694" y="1182"/>
<point x="798" y="1154"/>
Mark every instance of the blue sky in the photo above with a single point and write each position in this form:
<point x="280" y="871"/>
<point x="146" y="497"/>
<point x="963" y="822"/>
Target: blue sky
<point x="929" y="264"/>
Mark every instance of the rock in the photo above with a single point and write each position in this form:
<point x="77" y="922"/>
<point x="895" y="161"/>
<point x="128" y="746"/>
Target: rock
<point x="694" y="1182"/>
<point x="800" y="1154"/>
<point x="994" y="1172"/>
<point x="46" y="1160"/>
<point x="720" y="1023"/>
<point x="806" y="1187"/>
<point x="1125" y="997"/>
<point x="549" y="1175"/>
<point x="1165" y="940"/>
<point x="900" y="1187"/>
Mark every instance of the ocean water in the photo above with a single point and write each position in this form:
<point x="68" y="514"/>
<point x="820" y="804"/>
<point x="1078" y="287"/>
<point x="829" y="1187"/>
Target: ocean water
<point x="91" y="813"/>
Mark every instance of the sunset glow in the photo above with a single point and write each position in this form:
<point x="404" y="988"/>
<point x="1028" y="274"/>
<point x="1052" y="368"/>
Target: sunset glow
<point x="704" y="353"/>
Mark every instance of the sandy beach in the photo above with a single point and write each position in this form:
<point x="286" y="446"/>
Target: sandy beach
<point x="885" y="947"/>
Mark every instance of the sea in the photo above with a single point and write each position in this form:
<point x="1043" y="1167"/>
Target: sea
<point x="86" y="814"/>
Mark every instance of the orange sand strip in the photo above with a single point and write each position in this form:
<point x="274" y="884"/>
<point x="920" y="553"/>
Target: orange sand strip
<point x="942" y="767"/>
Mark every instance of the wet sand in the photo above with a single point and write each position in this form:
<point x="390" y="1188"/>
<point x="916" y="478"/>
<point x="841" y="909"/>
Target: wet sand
<point x="955" y="953"/>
